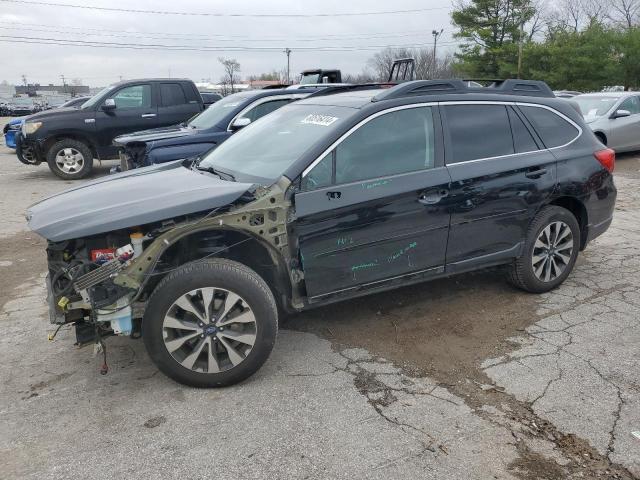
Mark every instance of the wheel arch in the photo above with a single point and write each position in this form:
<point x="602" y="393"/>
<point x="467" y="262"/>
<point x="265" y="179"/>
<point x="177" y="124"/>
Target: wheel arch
<point x="579" y="211"/>
<point x="233" y="244"/>
<point x="50" y="141"/>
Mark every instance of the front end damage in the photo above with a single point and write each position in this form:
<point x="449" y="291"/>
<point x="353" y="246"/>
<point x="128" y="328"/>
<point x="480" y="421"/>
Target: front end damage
<point x="100" y="283"/>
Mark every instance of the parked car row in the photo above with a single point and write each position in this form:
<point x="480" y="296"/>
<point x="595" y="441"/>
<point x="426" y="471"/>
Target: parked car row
<point x="69" y="139"/>
<point x="204" y="131"/>
<point x="349" y="191"/>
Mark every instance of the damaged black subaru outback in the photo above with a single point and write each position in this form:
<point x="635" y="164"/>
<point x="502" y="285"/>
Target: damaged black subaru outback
<point x="326" y="199"/>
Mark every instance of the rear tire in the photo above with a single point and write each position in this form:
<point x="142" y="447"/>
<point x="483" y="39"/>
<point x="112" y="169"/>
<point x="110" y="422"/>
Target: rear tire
<point x="550" y="251"/>
<point x="210" y="323"/>
<point x="70" y="159"/>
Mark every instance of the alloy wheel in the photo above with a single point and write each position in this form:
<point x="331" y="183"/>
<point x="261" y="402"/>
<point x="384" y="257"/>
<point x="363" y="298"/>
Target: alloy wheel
<point x="69" y="160"/>
<point x="209" y="330"/>
<point x="552" y="251"/>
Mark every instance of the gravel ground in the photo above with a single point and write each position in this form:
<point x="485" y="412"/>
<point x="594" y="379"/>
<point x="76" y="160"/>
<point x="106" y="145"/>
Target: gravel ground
<point x="460" y="378"/>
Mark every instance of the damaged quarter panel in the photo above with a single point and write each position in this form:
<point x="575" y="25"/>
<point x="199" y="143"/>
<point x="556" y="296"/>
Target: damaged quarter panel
<point x="136" y="198"/>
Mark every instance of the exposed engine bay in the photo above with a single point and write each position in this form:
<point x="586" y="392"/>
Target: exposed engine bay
<point x="100" y="283"/>
<point x="81" y="287"/>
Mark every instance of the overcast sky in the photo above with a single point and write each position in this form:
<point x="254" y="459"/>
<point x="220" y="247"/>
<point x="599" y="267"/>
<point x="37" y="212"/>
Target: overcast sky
<point x="101" y="66"/>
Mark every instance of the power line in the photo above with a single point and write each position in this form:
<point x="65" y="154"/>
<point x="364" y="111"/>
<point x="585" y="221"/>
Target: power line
<point x="225" y="38"/>
<point x="191" y="35"/>
<point x="237" y="15"/>
<point x="204" y="48"/>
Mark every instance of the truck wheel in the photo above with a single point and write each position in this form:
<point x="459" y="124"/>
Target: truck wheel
<point x="70" y="159"/>
<point x="210" y="323"/>
<point x="550" y="251"/>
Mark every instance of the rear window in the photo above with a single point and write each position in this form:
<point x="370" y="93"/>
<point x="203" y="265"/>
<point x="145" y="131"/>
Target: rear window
<point x="553" y="130"/>
<point x="478" y="131"/>
<point x="172" y="94"/>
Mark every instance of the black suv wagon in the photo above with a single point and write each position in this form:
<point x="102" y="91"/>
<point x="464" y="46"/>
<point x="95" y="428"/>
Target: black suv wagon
<point x="331" y="197"/>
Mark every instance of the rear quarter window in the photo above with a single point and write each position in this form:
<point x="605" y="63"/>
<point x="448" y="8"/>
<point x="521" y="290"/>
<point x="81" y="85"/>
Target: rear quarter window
<point x="554" y="131"/>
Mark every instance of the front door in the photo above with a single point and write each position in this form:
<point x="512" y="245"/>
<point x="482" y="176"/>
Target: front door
<point x="135" y="110"/>
<point x="625" y="131"/>
<point x="372" y="208"/>
<point x="500" y="175"/>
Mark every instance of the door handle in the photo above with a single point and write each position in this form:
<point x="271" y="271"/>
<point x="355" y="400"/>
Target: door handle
<point x="432" y="197"/>
<point x="148" y="115"/>
<point x="334" y="195"/>
<point x="535" y="172"/>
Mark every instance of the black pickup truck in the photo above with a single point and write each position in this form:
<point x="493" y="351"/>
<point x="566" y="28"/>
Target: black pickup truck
<point x="68" y="139"/>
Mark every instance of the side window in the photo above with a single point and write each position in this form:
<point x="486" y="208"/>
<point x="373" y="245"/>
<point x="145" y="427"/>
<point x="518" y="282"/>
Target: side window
<point x="137" y="96"/>
<point x="172" y="94"/>
<point x="632" y="104"/>
<point x="265" y="108"/>
<point x="552" y="129"/>
<point x="393" y="143"/>
<point x="478" y="131"/>
<point x="320" y="175"/>
<point x="522" y="139"/>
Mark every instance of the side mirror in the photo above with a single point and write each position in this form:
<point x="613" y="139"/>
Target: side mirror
<point x="109" y="104"/>
<point x="621" y="113"/>
<point x="239" y="123"/>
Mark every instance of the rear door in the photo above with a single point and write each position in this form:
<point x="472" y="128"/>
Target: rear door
<point x="135" y="110"/>
<point x="371" y="207"/>
<point x="500" y="173"/>
<point x="175" y="105"/>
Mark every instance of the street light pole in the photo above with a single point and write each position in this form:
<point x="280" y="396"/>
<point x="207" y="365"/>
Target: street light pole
<point x="287" y="51"/>
<point x="435" y="34"/>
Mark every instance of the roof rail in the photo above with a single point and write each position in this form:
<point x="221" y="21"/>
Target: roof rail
<point x="527" y="88"/>
<point x="350" y="88"/>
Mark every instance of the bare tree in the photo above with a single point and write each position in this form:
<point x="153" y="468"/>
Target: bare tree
<point x="382" y="62"/>
<point x="595" y="11"/>
<point x="625" y="12"/>
<point x="230" y="77"/>
<point x="425" y="67"/>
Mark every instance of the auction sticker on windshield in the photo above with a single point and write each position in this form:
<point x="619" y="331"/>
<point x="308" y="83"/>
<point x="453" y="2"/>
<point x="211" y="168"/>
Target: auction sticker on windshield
<point x="314" y="119"/>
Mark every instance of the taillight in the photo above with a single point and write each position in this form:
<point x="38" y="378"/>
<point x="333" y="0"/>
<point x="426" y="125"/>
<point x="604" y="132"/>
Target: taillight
<point x="607" y="158"/>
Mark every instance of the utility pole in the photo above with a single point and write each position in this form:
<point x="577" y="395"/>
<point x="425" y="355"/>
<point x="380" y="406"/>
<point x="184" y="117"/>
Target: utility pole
<point x="24" y="79"/>
<point x="520" y="48"/>
<point x="435" y="34"/>
<point x="64" y="84"/>
<point x="287" y="51"/>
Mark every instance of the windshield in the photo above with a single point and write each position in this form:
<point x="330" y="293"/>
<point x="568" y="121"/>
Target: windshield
<point x="219" y="110"/>
<point x="594" y="106"/>
<point x="266" y="148"/>
<point x="93" y="100"/>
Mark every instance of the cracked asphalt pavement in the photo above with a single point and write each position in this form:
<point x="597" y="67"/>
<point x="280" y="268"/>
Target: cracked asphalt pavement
<point x="460" y="378"/>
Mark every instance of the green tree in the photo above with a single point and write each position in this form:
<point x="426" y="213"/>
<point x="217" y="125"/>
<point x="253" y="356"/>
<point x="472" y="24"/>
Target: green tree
<point x="583" y="60"/>
<point x="492" y="30"/>
<point x="627" y="46"/>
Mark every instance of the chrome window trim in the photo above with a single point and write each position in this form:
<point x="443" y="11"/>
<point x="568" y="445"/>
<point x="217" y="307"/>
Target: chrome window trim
<point x="523" y="104"/>
<point x="262" y="100"/>
<point x="461" y="102"/>
<point x="348" y="133"/>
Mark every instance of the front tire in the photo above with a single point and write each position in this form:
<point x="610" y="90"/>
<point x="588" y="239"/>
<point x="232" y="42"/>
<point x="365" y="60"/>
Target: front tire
<point x="70" y="159"/>
<point x="550" y="251"/>
<point x="210" y="323"/>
